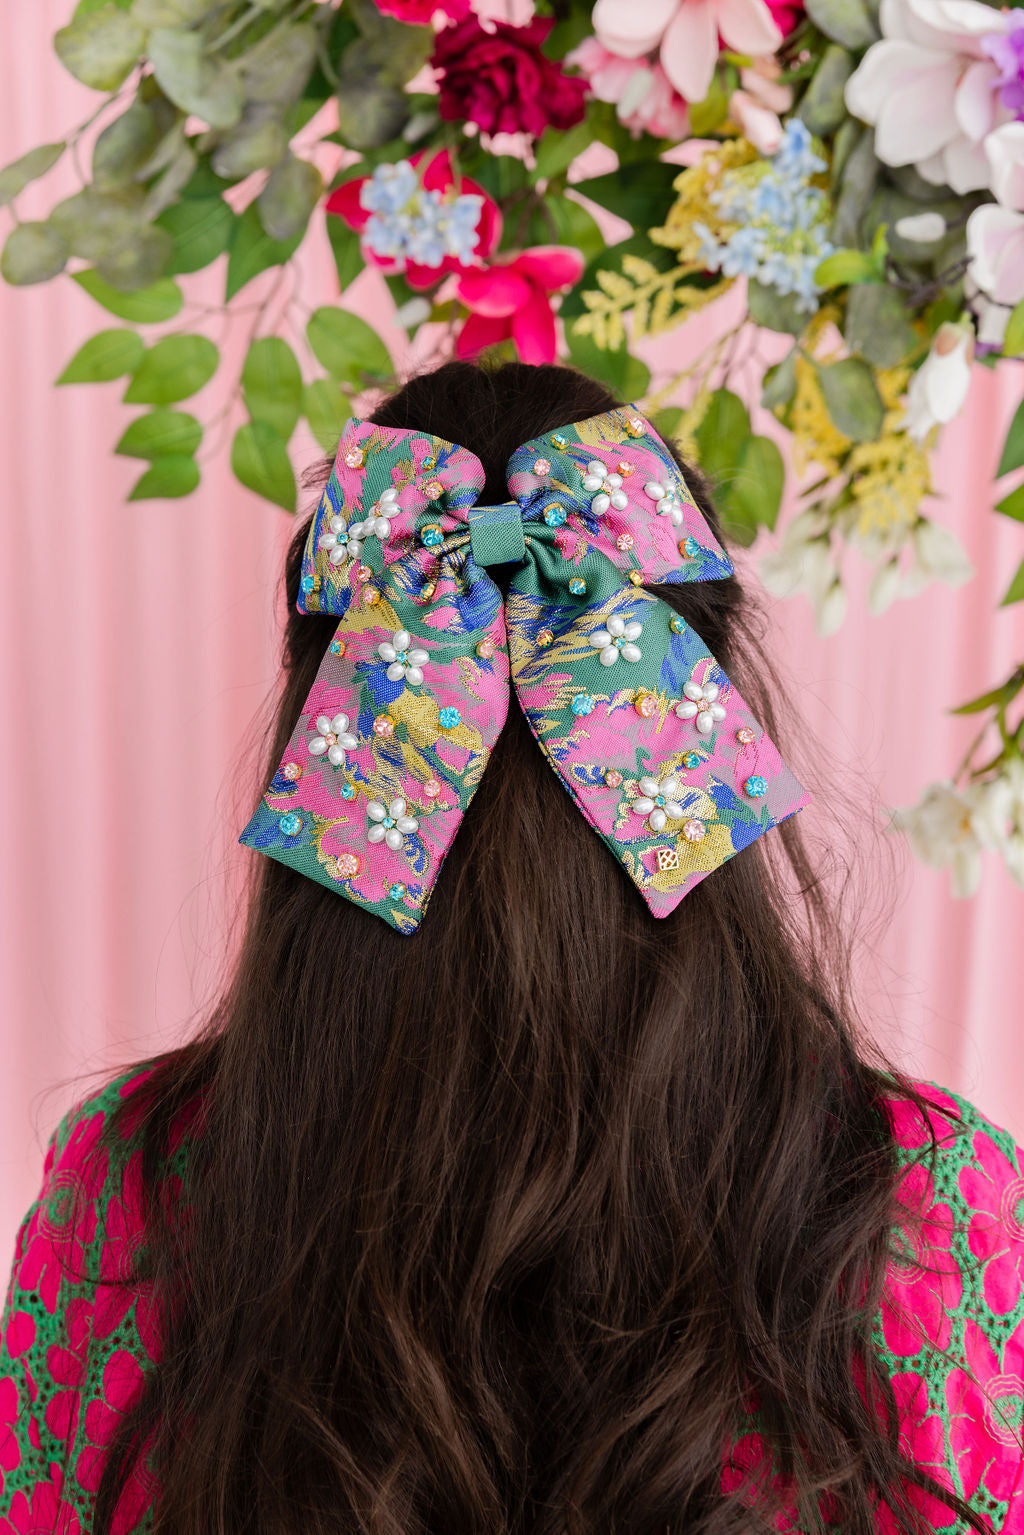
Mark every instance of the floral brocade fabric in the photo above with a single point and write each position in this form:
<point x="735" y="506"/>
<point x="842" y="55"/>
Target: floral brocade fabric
<point x="75" y="1345"/>
<point x="638" y="719"/>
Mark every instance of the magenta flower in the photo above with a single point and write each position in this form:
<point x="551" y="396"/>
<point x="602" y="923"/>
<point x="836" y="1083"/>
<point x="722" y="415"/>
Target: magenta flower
<point x="512" y="300"/>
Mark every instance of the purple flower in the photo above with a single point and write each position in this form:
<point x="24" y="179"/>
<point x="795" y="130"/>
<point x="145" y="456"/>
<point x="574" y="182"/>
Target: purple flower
<point x="1006" y="50"/>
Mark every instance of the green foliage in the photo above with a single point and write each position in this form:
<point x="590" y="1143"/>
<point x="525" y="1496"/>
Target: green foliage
<point x="172" y="369"/>
<point x="347" y="347"/>
<point x="111" y="354"/>
<point x="260" y="461"/>
<point x="99" y="48"/>
<point x="852" y="398"/>
<point x="1013" y="504"/>
<point x="201" y="230"/>
<point x="175" y="474"/>
<point x="326" y="409"/>
<point x="877" y="326"/>
<point x="272" y="384"/>
<point x="161" y="434"/>
<point x="192" y="79"/>
<point x="850" y="22"/>
<point x="1012" y="456"/>
<point x="148" y="306"/>
<point x="1013" y="341"/>
<point x="251" y="250"/>
<point x="34" y="252"/>
<point x="14" y="178"/>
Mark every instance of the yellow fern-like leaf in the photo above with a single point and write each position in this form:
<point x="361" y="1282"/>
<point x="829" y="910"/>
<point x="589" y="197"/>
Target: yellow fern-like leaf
<point x="640" y="270"/>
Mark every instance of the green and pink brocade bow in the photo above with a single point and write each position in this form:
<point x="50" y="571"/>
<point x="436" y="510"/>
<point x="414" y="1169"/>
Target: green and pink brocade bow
<point x="633" y="712"/>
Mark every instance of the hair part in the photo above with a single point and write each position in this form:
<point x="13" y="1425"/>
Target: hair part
<point x="517" y="1223"/>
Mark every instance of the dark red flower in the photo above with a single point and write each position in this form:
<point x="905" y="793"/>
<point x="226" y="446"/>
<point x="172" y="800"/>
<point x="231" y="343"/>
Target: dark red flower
<point x="500" y="79"/>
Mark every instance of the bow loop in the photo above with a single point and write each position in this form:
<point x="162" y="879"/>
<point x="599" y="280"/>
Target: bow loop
<point x="631" y="709"/>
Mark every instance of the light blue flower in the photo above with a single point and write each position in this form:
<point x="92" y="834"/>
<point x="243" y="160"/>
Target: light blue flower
<point x="410" y="223"/>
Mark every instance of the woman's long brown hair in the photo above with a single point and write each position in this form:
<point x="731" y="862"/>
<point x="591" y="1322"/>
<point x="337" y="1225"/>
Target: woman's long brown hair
<point x="503" y="1228"/>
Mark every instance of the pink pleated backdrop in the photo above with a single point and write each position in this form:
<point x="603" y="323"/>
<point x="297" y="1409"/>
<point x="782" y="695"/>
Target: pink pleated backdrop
<point x="140" y="653"/>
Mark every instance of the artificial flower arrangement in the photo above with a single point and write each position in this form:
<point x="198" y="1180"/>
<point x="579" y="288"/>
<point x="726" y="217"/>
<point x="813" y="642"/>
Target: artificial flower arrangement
<point x="857" y="166"/>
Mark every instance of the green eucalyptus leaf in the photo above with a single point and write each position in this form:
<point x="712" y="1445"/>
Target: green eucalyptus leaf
<point x="110" y="354"/>
<point x="326" y="409"/>
<point x="1012" y="456"/>
<point x="1013" y="504"/>
<point x="877" y="326"/>
<point x="1015" y="590"/>
<point x="94" y="222"/>
<point x="780" y="382"/>
<point x="348" y="255"/>
<point x="171" y="13"/>
<point x="100" y="48"/>
<point x="260" y="460"/>
<point x="823" y="104"/>
<point x="86" y="7"/>
<point x="854" y="190"/>
<point x="201" y="230"/>
<point x="258" y="141"/>
<point x="390" y="50"/>
<point x="666" y="422"/>
<point x="995" y="698"/>
<point x="159" y="433"/>
<point x="370" y="113"/>
<point x="852" y="398"/>
<point x="124" y="146"/>
<point x="292" y="191"/>
<point x="1013" y="341"/>
<point x="176" y="474"/>
<point x="850" y="22"/>
<point x="707" y="116"/>
<point x="272" y="384"/>
<point x="721" y="435"/>
<point x="166" y="190"/>
<point x="347" y="347"/>
<point x="192" y="80"/>
<point x="172" y="369"/>
<point x="277" y="70"/>
<point x="148" y="306"/>
<point x="138" y="261"/>
<point x="776" y="311"/>
<point x="252" y="251"/>
<point x="34" y="252"/>
<point x="14" y="178"/>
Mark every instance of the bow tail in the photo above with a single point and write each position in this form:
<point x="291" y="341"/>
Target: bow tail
<point x="648" y="734"/>
<point x="390" y="744"/>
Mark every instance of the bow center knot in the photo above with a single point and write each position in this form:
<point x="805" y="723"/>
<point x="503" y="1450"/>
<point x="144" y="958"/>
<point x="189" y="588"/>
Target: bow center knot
<point x="496" y="534"/>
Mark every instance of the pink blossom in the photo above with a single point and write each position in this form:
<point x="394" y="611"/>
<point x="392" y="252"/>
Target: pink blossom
<point x="512" y="299"/>
<point x="643" y="93"/>
<point x="686" y="33"/>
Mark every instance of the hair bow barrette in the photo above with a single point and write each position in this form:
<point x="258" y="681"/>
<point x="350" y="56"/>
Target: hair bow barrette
<point x="633" y="712"/>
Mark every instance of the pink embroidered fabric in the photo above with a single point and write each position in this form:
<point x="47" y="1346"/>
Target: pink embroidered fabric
<point x="75" y="1344"/>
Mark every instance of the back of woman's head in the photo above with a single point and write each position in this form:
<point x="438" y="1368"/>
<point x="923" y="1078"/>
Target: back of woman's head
<point x="510" y="1224"/>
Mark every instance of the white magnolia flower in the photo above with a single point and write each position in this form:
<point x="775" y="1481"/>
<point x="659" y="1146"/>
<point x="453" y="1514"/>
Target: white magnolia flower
<point x="378" y="521"/>
<point x="802" y="561"/>
<point x="939" y="387"/>
<point x="617" y="640"/>
<point x="341" y="541"/>
<point x="995" y="245"/>
<point x="885" y="586"/>
<point x="701" y="704"/>
<point x="949" y="828"/>
<point x="390" y="822"/>
<point x="657" y="801"/>
<point x="405" y="662"/>
<point x="334" y="738"/>
<point x="1004" y="150"/>
<point x="669" y="504"/>
<point x="608" y="487"/>
<point x="930" y="88"/>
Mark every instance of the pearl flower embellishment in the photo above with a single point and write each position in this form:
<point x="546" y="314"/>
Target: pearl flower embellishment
<point x="608" y="487"/>
<point x="379" y="521"/>
<point x="389" y="823"/>
<point x="700" y="704"/>
<point x="617" y="640"/>
<point x="406" y="664"/>
<point x="657" y="801"/>
<point x="334" y="738"/>
<point x="669" y="504"/>
<point x="340" y="541"/>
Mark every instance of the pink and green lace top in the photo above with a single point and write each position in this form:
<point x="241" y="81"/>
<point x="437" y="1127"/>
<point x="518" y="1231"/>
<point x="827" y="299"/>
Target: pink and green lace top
<point x="75" y="1344"/>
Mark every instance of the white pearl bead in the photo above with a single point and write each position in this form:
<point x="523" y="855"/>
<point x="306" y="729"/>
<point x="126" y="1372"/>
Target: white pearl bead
<point x="393" y="838"/>
<point x="658" y="818"/>
<point x="396" y="671"/>
<point x="414" y="674"/>
<point x="632" y="652"/>
<point x="619" y="500"/>
<point x="336" y="755"/>
<point x="317" y="747"/>
<point x="654" y="490"/>
<point x="649" y="785"/>
<point x="600" y="504"/>
<point x="609" y="655"/>
<point x="643" y="805"/>
<point x="704" y="722"/>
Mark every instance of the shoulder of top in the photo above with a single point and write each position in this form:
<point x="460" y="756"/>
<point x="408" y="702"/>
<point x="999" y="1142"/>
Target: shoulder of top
<point x="81" y="1126"/>
<point x="959" y="1127"/>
